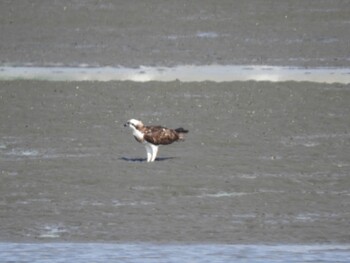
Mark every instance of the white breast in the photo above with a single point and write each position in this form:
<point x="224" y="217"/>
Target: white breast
<point x="137" y="134"/>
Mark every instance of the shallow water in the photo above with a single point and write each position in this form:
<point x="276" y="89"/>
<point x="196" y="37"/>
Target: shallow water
<point x="216" y="73"/>
<point x="213" y="253"/>
<point x="284" y="33"/>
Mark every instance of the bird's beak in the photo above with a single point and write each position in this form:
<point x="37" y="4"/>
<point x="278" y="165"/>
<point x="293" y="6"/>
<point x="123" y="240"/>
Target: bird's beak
<point x="126" y="124"/>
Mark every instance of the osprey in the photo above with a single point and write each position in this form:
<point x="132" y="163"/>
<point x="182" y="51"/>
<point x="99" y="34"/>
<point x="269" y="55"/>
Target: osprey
<point x="153" y="136"/>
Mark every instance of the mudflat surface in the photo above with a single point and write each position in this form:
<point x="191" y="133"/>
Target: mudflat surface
<point x="162" y="33"/>
<point x="263" y="162"/>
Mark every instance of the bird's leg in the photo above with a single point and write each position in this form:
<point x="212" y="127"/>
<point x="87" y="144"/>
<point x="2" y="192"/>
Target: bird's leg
<point x="149" y="152"/>
<point x="154" y="152"/>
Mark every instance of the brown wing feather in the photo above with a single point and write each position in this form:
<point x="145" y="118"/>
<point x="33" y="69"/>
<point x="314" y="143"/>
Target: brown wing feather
<point x="160" y="135"/>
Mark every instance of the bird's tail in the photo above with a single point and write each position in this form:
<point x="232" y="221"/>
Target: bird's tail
<point x="181" y="131"/>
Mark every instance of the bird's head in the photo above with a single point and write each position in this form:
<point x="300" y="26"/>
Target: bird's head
<point x="133" y="124"/>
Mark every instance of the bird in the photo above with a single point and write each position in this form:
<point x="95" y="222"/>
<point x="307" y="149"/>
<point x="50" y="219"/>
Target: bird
<point x="154" y="136"/>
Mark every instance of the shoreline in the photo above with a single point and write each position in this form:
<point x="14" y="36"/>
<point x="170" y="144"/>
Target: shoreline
<point x="183" y="73"/>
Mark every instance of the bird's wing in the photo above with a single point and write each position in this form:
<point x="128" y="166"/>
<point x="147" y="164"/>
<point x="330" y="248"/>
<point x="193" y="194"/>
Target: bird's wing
<point x="160" y="135"/>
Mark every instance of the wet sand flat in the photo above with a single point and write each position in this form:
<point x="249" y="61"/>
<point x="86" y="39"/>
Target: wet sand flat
<point x="263" y="162"/>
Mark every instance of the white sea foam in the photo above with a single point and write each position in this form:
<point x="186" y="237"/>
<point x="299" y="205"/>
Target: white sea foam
<point x="20" y="153"/>
<point x="312" y="140"/>
<point x="223" y="194"/>
<point x="52" y="230"/>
